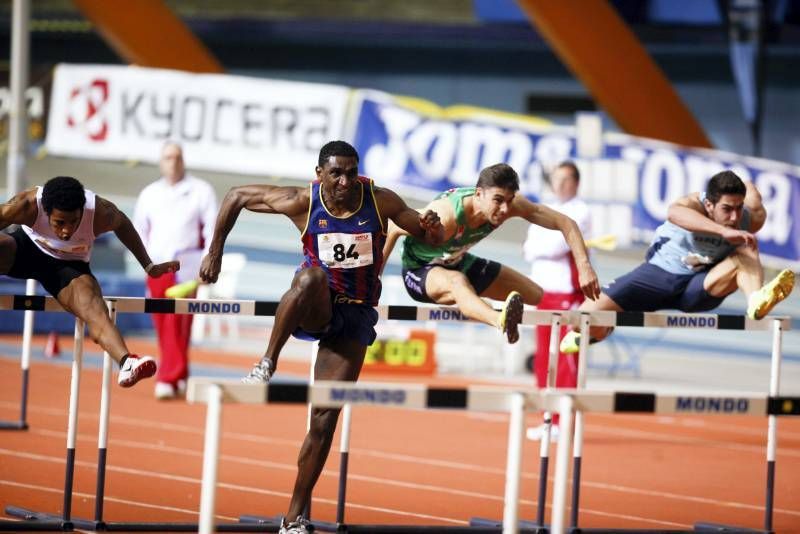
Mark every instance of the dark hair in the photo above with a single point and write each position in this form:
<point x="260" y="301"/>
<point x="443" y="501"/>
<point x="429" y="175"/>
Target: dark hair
<point x="499" y="175"/>
<point x="336" y="148"/>
<point x="63" y="193"/>
<point x="724" y="183"/>
<point x="571" y="166"/>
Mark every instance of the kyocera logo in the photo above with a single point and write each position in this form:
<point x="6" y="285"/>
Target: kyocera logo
<point x="86" y="109"/>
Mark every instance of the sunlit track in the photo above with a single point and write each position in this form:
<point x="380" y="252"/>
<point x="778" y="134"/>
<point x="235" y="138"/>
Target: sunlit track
<point x="394" y="457"/>
<point x="317" y="500"/>
<point x="174" y="440"/>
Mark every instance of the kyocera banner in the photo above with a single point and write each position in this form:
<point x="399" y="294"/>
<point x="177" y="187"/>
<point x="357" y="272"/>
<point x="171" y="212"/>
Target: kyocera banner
<point x="225" y="123"/>
<point x="415" y="146"/>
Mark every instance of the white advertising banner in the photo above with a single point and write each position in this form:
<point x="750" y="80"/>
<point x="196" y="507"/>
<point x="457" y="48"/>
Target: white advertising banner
<point x="225" y="123"/>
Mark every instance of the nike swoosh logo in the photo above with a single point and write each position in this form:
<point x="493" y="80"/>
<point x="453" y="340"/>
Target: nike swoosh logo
<point x="362" y="223"/>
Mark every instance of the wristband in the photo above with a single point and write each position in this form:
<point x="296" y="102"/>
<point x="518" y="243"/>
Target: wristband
<point x="149" y="267"/>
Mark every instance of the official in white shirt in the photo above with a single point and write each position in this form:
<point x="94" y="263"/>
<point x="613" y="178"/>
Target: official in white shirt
<point x="175" y="218"/>
<point x="554" y="269"/>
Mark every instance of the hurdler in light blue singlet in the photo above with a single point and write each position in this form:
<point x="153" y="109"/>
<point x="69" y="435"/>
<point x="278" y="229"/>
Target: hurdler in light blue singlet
<point x="679" y="251"/>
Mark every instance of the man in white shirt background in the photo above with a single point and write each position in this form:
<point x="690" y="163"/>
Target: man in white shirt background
<point x="175" y="218"/>
<point x="553" y="267"/>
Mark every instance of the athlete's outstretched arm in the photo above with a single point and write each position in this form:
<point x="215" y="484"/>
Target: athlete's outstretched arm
<point x="108" y="218"/>
<point x="289" y="201"/>
<point x="426" y="226"/>
<point x="549" y="218"/>
<point x="394" y="233"/>
<point x="19" y="209"/>
<point x="690" y="214"/>
<point x="754" y="204"/>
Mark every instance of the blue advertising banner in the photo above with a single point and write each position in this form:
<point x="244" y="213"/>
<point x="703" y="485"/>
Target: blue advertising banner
<point x="418" y="148"/>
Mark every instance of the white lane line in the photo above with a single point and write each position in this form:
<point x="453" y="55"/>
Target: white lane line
<point x="382" y="481"/>
<point x="117" y="500"/>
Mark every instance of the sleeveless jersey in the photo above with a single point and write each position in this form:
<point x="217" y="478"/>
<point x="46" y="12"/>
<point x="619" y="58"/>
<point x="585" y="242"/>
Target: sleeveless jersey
<point x="417" y="253"/>
<point x="79" y="246"/>
<point x="349" y="249"/>
<point x="679" y="251"/>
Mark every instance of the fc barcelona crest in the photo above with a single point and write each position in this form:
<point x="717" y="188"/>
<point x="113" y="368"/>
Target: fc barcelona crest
<point x="323" y="223"/>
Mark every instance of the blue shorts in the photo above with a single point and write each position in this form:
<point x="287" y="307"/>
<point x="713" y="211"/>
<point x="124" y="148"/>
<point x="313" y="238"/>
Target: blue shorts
<point x="650" y="288"/>
<point x="351" y="321"/>
<point x="480" y="273"/>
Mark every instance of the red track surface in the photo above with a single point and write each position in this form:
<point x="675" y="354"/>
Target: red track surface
<point x="406" y="467"/>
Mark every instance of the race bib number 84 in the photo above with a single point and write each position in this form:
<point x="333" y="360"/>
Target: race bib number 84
<point x="345" y="251"/>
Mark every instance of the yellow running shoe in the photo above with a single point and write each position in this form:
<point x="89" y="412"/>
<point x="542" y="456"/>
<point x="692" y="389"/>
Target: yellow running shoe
<point x="762" y="301"/>
<point x="182" y="290"/>
<point x="511" y="316"/>
<point x="570" y="343"/>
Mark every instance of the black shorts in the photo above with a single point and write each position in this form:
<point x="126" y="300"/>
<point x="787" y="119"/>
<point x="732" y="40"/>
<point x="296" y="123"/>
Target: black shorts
<point x="52" y="273"/>
<point x="650" y="288"/>
<point x="480" y="273"/>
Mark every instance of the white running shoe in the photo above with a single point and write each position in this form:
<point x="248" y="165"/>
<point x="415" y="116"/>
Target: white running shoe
<point x="536" y="433"/>
<point x="136" y="368"/>
<point x="301" y="525"/>
<point x="260" y="374"/>
<point x="167" y="391"/>
<point x="164" y="391"/>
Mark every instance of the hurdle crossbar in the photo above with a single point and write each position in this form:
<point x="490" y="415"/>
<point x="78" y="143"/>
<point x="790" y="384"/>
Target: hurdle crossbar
<point x="713" y="321"/>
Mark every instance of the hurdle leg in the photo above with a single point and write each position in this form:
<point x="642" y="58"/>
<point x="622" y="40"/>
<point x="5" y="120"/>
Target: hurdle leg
<point x="577" y="451"/>
<point x="72" y="428"/>
<point x="772" y="421"/>
<point x="25" y="363"/>
<point x="210" y="459"/>
<point x="347" y="413"/>
<point x="516" y="431"/>
<point x="544" y="447"/>
<point x="50" y="521"/>
<point x="558" y="517"/>
<point x="102" y="437"/>
<point x="314" y="351"/>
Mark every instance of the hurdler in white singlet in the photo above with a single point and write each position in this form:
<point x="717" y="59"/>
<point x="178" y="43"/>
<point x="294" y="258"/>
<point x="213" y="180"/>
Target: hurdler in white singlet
<point x="79" y="246"/>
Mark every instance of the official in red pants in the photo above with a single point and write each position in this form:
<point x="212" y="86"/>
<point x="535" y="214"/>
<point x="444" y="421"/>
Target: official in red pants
<point x="175" y="218"/>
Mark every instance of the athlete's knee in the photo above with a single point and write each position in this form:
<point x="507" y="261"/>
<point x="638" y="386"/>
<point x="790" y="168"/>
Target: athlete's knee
<point x="312" y="280"/>
<point x="599" y="333"/>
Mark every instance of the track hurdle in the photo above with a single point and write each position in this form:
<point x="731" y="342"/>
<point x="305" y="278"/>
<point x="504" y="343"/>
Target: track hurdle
<point x="616" y="402"/>
<point x="25" y="360"/>
<point x="338" y="394"/>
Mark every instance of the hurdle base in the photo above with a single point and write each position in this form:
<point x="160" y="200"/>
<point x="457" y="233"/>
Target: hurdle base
<point x="320" y="526"/>
<point x="131" y="526"/>
<point x="13" y="425"/>
<point x="430" y="529"/>
<point x="525" y="526"/>
<point x="716" y="527"/>
<point x="41" y="520"/>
